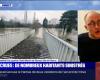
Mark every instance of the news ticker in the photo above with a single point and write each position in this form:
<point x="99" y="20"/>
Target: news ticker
<point x="43" y="63"/>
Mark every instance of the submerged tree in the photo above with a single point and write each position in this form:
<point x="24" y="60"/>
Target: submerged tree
<point x="2" y="23"/>
<point x="45" y="23"/>
<point x="68" y="21"/>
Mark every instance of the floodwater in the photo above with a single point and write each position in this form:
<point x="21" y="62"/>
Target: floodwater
<point x="39" y="33"/>
<point x="10" y="30"/>
<point x="34" y="41"/>
<point x="32" y="47"/>
<point x="72" y="36"/>
<point x="10" y="37"/>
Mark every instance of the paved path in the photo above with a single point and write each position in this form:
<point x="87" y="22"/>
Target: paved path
<point x="31" y="48"/>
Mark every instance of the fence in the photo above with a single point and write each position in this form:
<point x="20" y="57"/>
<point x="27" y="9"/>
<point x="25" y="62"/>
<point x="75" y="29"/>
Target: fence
<point x="9" y="40"/>
<point x="60" y="49"/>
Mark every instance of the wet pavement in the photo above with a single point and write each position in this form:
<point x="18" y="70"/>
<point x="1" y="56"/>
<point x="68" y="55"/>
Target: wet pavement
<point x="31" y="48"/>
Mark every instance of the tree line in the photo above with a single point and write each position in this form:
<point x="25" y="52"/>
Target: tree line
<point x="13" y="24"/>
<point x="68" y="21"/>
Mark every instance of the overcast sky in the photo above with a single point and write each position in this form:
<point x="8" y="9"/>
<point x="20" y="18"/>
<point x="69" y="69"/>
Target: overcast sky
<point x="40" y="15"/>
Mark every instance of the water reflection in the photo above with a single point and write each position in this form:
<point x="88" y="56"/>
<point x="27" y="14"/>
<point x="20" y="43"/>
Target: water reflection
<point x="72" y="38"/>
<point x="39" y="33"/>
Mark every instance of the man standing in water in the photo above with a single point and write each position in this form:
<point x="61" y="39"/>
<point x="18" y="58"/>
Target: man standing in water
<point x="89" y="43"/>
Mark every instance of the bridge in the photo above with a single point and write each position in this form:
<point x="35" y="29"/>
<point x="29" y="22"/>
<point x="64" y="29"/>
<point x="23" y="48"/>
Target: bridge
<point x="28" y="43"/>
